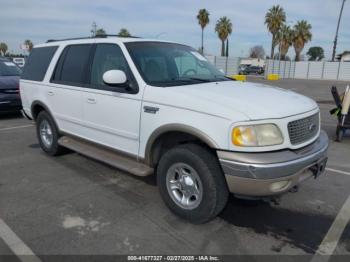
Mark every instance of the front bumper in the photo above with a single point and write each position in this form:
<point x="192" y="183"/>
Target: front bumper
<point x="271" y="173"/>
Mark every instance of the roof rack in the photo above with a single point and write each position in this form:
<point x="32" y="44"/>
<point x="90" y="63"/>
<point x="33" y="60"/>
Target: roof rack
<point x="89" y="37"/>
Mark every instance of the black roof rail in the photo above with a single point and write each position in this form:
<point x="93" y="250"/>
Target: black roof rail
<point x="89" y="37"/>
<point x="104" y="36"/>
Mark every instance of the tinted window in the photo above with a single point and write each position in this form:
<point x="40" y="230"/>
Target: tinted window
<point x="8" y="68"/>
<point x="38" y="62"/>
<point x="109" y="57"/>
<point x="72" y="65"/>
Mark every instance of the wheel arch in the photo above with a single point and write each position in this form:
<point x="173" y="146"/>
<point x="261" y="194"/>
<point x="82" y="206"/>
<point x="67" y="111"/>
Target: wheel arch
<point x="38" y="106"/>
<point x="175" y="134"/>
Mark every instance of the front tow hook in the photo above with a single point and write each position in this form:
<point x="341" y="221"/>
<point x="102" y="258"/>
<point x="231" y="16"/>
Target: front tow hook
<point x="319" y="167"/>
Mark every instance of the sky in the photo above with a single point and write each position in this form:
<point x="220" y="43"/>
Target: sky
<point x="170" y="20"/>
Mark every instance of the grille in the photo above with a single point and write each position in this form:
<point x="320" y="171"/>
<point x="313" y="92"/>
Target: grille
<point x="304" y="129"/>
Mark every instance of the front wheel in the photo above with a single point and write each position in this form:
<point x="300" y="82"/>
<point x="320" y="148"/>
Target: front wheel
<point x="191" y="183"/>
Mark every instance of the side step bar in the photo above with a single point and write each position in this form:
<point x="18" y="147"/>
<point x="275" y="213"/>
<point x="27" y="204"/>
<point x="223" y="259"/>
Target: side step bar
<point x="106" y="156"/>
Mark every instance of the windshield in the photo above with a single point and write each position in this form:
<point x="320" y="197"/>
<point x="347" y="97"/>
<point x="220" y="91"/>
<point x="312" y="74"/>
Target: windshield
<point x="8" y="68"/>
<point x="167" y="64"/>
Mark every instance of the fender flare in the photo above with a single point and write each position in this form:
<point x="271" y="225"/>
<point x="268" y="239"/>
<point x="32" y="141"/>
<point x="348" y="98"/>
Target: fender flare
<point x="176" y="128"/>
<point x="46" y="108"/>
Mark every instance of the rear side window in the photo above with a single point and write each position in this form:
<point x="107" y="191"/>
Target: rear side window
<point x="38" y="62"/>
<point x="72" y="66"/>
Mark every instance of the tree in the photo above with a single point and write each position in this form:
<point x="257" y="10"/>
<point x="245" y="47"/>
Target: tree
<point x="124" y="33"/>
<point x="3" y="48"/>
<point x="29" y="45"/>
<point x="203" y="20"/>
<point x="257" y="52"/>
<point x="285" y="40"/>
<point x="224" y="29"/>
<point x="277" y="57"/>
<point x="301" y="35"/>
<point x="100" y="32"/>
<point x="315" y="53"/>
<point x="274" y="19"/>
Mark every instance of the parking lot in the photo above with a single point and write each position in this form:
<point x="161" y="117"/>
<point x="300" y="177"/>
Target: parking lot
<point x="74" y="205"/>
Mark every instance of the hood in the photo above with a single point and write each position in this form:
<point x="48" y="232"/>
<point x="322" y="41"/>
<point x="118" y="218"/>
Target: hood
<point x="254" y="101"/>
<point x="9" y="82"/>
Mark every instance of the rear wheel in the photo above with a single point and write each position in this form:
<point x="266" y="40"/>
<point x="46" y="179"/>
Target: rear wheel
<point x="191" y="183"/>
<point x="48" y="135"/>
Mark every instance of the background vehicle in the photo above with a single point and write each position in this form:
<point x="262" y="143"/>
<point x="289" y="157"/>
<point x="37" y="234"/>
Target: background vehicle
<point x="20" y="61"/>
<point x="10" y="100"/>
<point x="247" y="70"/>
<point x="147" y="106"/>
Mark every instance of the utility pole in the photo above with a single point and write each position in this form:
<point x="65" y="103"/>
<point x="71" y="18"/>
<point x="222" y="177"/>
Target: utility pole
<point x="93" y="29"/>
<point x="336" y="34"/>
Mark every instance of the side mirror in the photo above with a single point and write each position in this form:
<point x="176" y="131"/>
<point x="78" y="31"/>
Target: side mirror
<point x="114" y="77"/>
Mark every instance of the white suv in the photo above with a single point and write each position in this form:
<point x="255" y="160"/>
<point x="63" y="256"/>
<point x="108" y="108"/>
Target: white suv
<point x="147" y="106"/>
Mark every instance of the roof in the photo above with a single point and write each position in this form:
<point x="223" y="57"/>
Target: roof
<point x="107" y="39"/>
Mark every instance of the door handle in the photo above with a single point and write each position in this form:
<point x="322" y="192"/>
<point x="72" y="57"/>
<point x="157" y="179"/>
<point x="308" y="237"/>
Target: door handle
<point x="91" y="101"/>
<point x="50" y="93"/>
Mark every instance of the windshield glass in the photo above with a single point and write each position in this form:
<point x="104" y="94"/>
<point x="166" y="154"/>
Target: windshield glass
<point x="167" y="64"/>
<point x="8" y="68"/>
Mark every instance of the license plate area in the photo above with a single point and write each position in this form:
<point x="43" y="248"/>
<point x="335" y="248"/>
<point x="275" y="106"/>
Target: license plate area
<point x="319" y="168"/>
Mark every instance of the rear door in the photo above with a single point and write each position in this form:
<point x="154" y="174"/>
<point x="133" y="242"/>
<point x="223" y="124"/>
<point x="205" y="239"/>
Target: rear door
<point x="67" y="85"/>
<point x="111" y="113"/>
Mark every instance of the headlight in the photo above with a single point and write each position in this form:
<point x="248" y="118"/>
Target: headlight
<point x="257" y="135"/>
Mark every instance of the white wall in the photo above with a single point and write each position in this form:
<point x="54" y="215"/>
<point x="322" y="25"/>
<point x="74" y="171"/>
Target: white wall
<point x="309" y="70"/>
<point x="230" y="65"/>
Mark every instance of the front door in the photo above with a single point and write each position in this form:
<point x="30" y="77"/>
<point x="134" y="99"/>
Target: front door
<point x="111" y="115"/>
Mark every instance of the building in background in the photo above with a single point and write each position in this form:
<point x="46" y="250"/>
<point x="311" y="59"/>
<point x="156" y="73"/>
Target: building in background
<point x="344" y="57"/>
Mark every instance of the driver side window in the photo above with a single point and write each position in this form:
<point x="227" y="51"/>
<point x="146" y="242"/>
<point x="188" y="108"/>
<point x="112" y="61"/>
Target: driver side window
<point x="107" y="57"/>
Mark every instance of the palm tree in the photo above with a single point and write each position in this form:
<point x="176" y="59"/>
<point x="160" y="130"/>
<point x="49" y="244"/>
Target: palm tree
<point x="124" y="33"/>
<point x="203" y="20"/>
<point x="3" y="49"/>
<point x="224" y="29"/>
<point x="301" y="35"/>
<point x="274" y="19"/>
<point x="285" y="40"/>
<point x="29" y="44"/>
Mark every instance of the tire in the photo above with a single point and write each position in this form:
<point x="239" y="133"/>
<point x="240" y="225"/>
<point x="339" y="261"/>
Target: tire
<point x="49" y="144"/>
<point x="209" y="187"/>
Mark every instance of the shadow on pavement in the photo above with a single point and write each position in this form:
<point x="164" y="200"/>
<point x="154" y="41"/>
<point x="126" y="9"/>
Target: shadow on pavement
<point x="301" y="230"/>
<point x="5" y="116"/>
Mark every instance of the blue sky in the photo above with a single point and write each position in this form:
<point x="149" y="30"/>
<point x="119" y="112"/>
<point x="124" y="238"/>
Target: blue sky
<point x="170" y="20"/>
